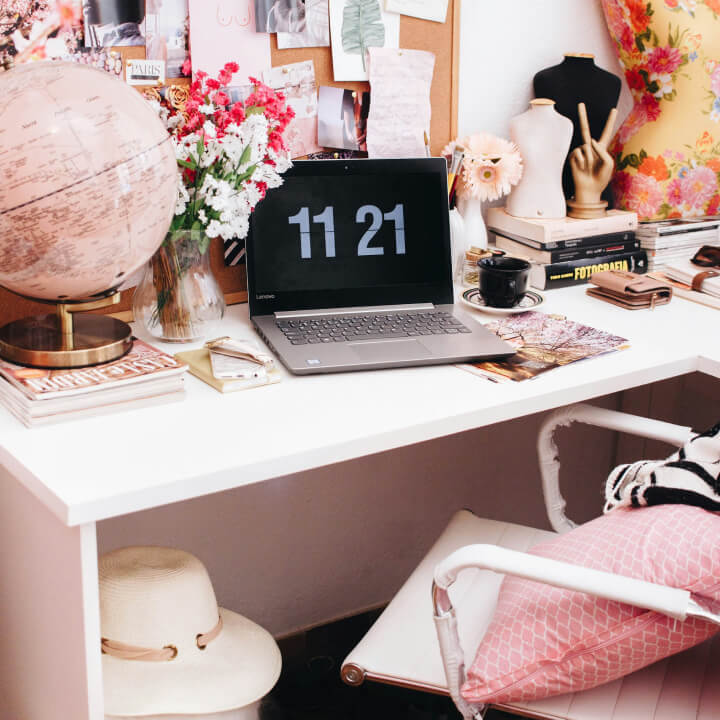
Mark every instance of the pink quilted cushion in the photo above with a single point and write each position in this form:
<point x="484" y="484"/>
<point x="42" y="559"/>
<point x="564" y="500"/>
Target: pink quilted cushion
<point x="546" y="641"/>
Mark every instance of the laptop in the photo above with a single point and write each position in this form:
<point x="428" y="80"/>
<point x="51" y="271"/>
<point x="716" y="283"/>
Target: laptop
<point x="348" y="267"/>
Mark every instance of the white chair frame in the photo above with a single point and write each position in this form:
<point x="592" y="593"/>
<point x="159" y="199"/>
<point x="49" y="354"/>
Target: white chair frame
<point x="673" y="602"/>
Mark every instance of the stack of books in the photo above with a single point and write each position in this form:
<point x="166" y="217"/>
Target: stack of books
<point x="679" y="275"/>
<point x="144" y="376"/>
<point x="671" y="241"/>
<point x="569" y="250"/>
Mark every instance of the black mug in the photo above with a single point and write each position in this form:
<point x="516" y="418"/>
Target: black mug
<point x="503" y="280"/>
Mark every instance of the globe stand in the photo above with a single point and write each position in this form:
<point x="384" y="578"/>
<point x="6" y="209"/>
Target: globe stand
<point x="64" y="339"/>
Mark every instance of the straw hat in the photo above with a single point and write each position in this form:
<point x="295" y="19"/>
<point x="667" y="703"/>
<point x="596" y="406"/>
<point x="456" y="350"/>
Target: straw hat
<point x="167" y="647"/>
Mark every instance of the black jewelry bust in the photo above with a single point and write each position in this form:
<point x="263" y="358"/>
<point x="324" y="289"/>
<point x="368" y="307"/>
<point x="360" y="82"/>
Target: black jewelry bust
<point x="578" y="79"/>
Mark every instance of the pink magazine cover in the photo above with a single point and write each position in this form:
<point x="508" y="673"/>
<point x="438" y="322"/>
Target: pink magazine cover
<point x="543" y="342"/>
<point x="141" y="364"/>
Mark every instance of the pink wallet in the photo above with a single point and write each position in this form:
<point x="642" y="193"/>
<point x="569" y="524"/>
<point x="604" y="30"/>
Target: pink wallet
<point x="629" y="290"/>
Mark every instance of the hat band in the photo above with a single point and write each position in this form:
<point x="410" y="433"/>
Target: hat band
<point x="169" y="652"/>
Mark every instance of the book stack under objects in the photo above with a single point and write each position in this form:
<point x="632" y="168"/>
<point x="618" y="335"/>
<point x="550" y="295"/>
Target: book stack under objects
<point x="680" y="275"/>
<point x="568" y="251"/>
<point x="671" y="241"/>
<point x="144" y="376"/>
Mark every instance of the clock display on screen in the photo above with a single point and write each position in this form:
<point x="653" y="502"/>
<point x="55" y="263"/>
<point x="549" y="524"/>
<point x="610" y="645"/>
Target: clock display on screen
<point x="343" y="231"/>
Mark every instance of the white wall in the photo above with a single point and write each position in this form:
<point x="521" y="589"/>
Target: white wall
<point x="503" y="43"/>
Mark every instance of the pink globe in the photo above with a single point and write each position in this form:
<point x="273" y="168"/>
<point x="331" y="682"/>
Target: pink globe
<point x="88" y="181"/>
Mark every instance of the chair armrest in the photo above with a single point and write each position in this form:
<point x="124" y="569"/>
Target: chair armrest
<point x="674" y="602"/>
<point x="600" y="417"/>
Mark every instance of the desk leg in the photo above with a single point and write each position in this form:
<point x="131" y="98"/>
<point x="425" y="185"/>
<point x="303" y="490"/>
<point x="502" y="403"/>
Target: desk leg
<point x="49" y="616"/>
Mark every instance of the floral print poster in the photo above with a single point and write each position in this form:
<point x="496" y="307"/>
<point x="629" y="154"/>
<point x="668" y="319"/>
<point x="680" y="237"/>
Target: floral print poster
<point x="668" y="149"/>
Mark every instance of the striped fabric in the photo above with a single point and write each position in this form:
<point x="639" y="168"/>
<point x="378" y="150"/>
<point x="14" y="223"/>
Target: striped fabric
<point x="690" y="476"/>
<point x="234" y="252"/>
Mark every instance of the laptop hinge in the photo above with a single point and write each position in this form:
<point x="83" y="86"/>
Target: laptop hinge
<point x="353" y="310"/>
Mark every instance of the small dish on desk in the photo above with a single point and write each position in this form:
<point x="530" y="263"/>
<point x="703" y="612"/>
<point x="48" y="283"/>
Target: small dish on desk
<point x="529" y="301"/>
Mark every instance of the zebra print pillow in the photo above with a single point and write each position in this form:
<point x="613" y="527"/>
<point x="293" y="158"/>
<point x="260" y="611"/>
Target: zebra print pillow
<point x="690" y="476"/>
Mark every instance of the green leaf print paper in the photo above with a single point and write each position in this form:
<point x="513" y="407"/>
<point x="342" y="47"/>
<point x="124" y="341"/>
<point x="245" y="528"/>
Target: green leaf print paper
<point x="362" y="27"/>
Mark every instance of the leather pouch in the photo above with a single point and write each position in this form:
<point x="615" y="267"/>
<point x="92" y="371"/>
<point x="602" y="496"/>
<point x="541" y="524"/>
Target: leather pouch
<point x="629" y="290"/>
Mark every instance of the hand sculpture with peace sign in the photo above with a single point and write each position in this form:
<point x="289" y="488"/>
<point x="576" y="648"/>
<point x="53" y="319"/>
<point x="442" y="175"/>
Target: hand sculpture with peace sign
<point x="592" y="167"/>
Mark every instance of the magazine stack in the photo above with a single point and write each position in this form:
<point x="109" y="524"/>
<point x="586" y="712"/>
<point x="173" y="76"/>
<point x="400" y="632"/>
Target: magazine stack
<point x="671" y="241"/>
<point x="568" y="251"/>
<point x="144" y="376"/>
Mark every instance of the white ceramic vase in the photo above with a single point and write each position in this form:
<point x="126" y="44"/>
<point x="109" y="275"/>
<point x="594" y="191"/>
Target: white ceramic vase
<point x="475" y="231"/>
<point x="457" y="242"/>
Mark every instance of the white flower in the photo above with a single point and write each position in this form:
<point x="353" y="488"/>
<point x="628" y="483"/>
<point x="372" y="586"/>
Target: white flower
<point x="229" y="169"/>
<point x="209" y="129"/>
<point x="183" y="197"/>
<point x="664" y="82"/>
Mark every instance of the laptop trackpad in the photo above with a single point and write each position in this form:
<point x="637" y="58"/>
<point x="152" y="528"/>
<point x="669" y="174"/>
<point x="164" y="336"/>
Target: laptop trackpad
<point x="390" y="350"/>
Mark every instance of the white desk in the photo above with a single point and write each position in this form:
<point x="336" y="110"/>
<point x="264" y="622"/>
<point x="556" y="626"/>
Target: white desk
<point x="77" y="475"/>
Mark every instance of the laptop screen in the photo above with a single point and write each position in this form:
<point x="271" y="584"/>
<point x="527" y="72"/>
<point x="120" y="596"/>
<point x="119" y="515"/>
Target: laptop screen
<point x="342" y="233"/>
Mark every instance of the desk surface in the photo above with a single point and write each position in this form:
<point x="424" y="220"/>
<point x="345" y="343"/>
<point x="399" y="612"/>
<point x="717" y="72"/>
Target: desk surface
<point x="91" y="469"/>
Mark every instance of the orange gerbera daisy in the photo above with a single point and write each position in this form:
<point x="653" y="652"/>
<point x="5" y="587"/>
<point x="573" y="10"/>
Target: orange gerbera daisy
<point x="655" y="167"/>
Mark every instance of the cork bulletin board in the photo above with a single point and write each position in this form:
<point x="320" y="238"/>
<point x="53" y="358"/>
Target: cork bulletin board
<point x="440" y="39"/>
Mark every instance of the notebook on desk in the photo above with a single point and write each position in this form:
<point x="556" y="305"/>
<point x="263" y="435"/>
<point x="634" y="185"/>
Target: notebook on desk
<point x="349" y="268"/>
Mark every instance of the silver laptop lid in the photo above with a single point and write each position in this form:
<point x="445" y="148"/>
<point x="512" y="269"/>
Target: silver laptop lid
<point x="347" y="233"/>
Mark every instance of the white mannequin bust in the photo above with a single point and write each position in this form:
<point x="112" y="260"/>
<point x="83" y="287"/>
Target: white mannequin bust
<point x="543" y="136"/>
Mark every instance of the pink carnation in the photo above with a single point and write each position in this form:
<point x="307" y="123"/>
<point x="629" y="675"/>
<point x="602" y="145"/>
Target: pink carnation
<point x="664" y="60"/>
<point x="620" y="184"/>
<point x="649" y="108"/>
<point x="626" y="38"/>
<point x="643" y="112"/>
<point x="644" y="196"/>
<point x="676" y="195"/>
<point x="715" y="81"/>
<point x="633" y="122"/>
<point x="615" y="18"/>
<point x="699" y="186"/>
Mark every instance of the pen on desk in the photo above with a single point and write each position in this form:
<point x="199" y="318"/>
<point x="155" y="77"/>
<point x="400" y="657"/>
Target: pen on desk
<point x="455" y="163"/>
<point x="427" y="145"/>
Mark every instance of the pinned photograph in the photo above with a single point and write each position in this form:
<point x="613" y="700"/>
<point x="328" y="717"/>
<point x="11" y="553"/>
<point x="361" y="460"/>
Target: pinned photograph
<point x="224" y="29"/>
<point x="109" y="61"/>
<point x="110" y="23"/>
<point x="273" y="16"/>
<point x="355" y="26"/>
<point x="297" y="82"/>
<point x="317" y="28"/>
<point x="435" y="10"/>
<point x="342" y="118"/>
<point x="166" y="34"/>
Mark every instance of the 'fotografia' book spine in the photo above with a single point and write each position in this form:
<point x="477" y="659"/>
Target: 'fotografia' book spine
<point x="577" y="272"/>
<point x="618" y="243"/>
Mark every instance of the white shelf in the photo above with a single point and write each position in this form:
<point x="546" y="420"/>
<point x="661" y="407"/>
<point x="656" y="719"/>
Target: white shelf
<point x="91" y="469"/>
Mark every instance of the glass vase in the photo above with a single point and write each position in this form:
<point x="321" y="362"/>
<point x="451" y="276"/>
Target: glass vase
<point x="178" y="298"/>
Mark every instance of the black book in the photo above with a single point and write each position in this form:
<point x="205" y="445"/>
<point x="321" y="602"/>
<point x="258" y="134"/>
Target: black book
<point x="518" y="249"/>
<point x="577" y="272"/>
<point x="568" y="243"/>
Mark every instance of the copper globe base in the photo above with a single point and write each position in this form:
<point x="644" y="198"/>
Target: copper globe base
<point x="65" y="339"/>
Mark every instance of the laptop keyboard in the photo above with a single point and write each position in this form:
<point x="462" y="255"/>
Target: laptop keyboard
<point x="381" y="326"/>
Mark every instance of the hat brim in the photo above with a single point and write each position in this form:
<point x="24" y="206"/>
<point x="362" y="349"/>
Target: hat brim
<point x="237" y="668"/>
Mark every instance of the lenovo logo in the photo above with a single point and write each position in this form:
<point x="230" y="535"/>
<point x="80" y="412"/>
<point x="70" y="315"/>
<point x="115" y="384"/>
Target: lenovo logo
<point x="266" y="296"/>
